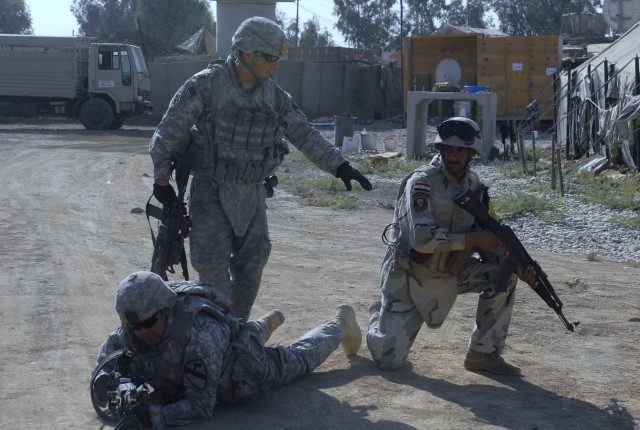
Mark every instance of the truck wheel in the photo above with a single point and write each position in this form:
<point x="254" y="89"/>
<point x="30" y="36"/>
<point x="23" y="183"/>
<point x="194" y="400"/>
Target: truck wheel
<point x="118" y="122"/>
<point x="96" y="114"/>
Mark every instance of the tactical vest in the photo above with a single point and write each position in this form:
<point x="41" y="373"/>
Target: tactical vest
<point x="238" y="139"/>
<point x="438" y="263"/>
<point x="167" y="358"/>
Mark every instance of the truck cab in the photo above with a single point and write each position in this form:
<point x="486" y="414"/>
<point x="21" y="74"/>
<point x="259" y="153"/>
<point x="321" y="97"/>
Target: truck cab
<point x="118" y="81"/>
<point x="102" y="84"/>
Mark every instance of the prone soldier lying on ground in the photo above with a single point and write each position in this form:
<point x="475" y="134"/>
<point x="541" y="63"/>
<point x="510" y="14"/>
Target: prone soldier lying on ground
<point x="184" y="341"/>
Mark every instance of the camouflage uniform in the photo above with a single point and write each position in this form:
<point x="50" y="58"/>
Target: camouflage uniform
<point x="427" y="266"/>
<point x="237" y="142"/>
<point x="207" y="355"/>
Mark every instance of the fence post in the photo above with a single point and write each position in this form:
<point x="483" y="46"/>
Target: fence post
<point x="533" y="145"/>
<point x="606" y="84"/>
<point x="569" y="89"/>
<point x="560" y="177"/>
<point x="523" y="157"/>
<point x="636" y="91"/>
<point x="554" y="143"/>
<point x="554" y="135"/>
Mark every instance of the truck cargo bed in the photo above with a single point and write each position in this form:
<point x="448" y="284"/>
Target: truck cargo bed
<point x="33" y="67"/>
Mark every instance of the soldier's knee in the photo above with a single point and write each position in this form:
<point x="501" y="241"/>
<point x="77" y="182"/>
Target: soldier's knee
<point x="386" y="359"/>
<point x="388" y="363"/>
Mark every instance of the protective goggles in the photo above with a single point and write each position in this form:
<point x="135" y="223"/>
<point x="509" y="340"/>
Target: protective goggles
<point x="268" y="57"/>
<point x="462" y="130"/>
<point x="146" y="324"/>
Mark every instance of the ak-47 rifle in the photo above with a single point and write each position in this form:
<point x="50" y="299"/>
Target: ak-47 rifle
<point x="168" y="246"/>
<point x="118" y="395"/>
<point x="518" y="255"/>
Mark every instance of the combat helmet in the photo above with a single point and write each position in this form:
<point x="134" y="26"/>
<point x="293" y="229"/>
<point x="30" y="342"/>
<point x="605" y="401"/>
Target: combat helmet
<point x="260" y="34"/>
<point x="459" y="131"/>
<point x="140" y="295"/>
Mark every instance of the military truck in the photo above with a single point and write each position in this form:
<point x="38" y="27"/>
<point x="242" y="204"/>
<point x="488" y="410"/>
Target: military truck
<point x="101" y="84"/>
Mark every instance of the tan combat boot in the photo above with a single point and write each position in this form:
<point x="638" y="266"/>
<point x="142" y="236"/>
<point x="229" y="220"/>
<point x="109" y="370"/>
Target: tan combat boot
<point x="374" y="311"/>
<point x="374" y="307"/>
<point x="490" y="362"/>
<point x="273" y="319"/>
<point x="352" y="338"/>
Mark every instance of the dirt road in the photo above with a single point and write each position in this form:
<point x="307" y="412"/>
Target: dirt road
<point x="69" y="236"/>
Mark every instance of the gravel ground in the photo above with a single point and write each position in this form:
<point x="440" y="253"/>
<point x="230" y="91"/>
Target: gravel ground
<point x="587" y="228"/>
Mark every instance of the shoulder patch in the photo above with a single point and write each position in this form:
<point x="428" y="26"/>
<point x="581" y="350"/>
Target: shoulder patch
<point x="420" y="202"/>
<point x="196" y="374"/>
<point x="422" y="186"/>
<point x="420" y="195"/>
<point x="187" y="91"/>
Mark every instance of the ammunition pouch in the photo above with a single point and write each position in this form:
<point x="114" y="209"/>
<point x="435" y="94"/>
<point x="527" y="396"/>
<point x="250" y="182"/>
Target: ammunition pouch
<point x="247" y="129"/>
<point x="249" y="146"/>
<point x="433" y="265"/>
<point x="196" y="148"/>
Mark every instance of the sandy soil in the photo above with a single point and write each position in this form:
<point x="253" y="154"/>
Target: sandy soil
<point x="70" y="233"/>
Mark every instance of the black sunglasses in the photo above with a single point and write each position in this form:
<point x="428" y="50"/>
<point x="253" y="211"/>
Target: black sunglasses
<point x="146" y="324"/>
<point x="464" y="131"/>
<point x="267" y="57"/>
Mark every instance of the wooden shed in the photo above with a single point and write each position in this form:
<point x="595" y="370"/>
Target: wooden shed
<point x="519" y="69"/>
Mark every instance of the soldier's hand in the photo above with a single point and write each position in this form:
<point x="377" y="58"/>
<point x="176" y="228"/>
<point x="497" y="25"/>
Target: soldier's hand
<point x="165" y="194"/>
<point x="348" y="173"/>
<point x="484" y="239"/>
<point x="529" y="276"/>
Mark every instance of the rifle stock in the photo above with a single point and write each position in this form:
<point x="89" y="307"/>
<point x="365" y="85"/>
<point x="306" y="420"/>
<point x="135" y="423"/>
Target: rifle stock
<point x="472" y="204"/>
<point x="168" y="246"/>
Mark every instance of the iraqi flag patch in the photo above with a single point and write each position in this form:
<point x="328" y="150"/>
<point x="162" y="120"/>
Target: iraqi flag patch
<point x="422" y="186"/>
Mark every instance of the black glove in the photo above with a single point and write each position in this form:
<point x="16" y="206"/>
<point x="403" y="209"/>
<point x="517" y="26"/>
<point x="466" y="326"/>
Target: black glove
<point x="165" y="194"/>
<point x="269" y="184"/>
<point x="348" y="173"/>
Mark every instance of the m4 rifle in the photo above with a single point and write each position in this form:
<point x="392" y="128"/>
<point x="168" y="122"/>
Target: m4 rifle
<point x="168" y="246"/>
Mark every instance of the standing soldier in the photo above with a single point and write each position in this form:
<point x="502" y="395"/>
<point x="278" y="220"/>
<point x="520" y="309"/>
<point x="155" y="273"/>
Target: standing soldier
<point x="430" y="260"/>
<point x="241" y="117"/>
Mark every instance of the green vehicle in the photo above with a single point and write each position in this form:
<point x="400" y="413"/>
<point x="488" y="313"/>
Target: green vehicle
<point x="101" y="84"/>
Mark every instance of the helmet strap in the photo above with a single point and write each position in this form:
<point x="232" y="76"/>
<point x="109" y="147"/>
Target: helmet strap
<point x="248" y="66"/>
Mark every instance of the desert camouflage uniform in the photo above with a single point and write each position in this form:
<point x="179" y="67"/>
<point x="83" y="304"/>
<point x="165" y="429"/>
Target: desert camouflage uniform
<point x="208" y="356"/>
<point x="426" y="267"/>
<point x="229" y="241"/>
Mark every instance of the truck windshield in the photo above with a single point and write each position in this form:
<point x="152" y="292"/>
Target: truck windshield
<point x="138" y="60"/>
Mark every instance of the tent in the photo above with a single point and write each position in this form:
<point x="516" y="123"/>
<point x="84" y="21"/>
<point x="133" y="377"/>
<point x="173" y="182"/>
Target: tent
<point x="598" y="103"/>
<point x="202" y="42"/>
